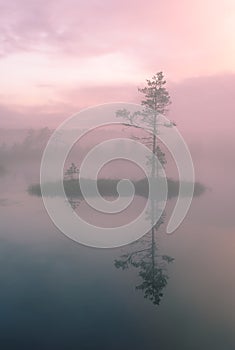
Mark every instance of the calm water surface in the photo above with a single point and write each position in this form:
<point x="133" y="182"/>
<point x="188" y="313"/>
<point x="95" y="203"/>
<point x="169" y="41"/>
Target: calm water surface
<point x="57" y="294"/>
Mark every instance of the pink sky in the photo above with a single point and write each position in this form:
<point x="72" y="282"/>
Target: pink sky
<point x="59" y="56"/>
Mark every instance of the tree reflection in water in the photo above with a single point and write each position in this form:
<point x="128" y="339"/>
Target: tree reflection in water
<point x="152" y="266"/>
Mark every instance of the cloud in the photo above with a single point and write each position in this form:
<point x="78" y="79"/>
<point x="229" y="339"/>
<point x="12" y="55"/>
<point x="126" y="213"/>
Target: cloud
<point x="21" y="117"/>
<point x="49" y="47"/>
<point x="201" y="106"/>
<point x="69" y="27"/>
<point x="205" y="102"/>
<point x="171" y="34"/>
<point x="98" y="94"/>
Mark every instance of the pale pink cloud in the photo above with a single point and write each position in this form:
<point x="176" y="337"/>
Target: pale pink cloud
<point x="201" y="106"/>
<point x="72" y="53"/>
<point x="150" y="32"/>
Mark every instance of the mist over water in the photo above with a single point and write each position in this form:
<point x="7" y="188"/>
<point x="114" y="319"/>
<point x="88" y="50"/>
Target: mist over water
<point x="171" y="65"/>
<point x="57" y="294"/>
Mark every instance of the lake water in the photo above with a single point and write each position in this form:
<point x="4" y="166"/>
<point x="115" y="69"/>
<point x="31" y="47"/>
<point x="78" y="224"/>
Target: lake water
<point x="58" y="294"/>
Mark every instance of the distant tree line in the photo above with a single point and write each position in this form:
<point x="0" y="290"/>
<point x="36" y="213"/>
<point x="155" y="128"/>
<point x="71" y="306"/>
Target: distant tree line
<point x="31" y="147"/>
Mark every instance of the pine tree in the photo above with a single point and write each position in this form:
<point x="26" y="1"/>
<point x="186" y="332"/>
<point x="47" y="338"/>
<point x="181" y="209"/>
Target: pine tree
<point x="155" y="103"/>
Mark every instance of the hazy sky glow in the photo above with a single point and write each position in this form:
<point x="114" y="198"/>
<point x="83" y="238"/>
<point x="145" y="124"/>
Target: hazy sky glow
<point x="59" y="56"/>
